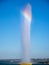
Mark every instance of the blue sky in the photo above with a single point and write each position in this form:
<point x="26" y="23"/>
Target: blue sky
<point x="10" y="28"/>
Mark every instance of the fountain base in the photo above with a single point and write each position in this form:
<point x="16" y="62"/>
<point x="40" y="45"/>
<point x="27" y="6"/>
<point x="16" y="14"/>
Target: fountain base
<point x="26" y="64"/>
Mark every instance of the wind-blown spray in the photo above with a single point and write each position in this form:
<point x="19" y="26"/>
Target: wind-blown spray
<point x="26" y="23"/>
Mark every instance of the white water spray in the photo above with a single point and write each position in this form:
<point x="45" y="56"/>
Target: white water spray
<point x="26" y="23"/>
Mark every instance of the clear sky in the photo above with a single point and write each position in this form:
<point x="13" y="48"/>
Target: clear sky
<point x="10" y="28"/>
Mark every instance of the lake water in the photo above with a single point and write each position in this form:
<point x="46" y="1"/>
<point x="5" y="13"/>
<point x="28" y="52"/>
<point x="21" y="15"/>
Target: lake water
<point x="19" y="64"/>
<point x="8" y="63"/>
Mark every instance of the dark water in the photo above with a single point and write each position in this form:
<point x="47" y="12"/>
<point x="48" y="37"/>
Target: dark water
<point x="8" y="63"/>
<point x="19" y="64"/>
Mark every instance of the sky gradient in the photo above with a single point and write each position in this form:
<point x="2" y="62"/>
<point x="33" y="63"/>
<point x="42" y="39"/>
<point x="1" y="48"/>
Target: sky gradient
<point x="10" y="28"/>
